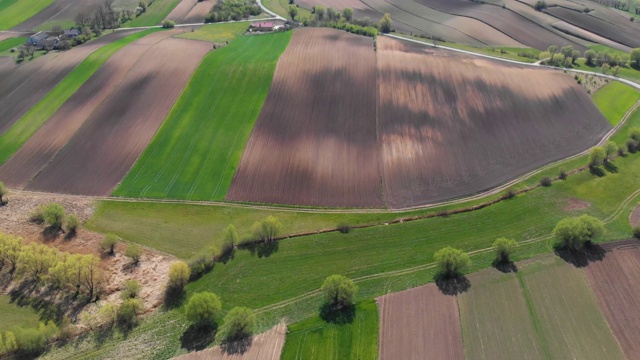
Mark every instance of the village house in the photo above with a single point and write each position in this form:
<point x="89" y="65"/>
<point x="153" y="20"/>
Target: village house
<point x="38" y="39"/>
<point x="261" y="26"/>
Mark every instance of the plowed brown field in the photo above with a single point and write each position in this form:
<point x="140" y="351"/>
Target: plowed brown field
<point x="38" y="151"/>
<point x="24" y="85"/>
<point x="615" y="282"/>
<point x="420" y="323"/>
<point x="315" y="140"/>
<point x="117" y="130"/>
<point x="59" y="10"/>
<point x="190" y="11"/>
<point x="449" y="131"/>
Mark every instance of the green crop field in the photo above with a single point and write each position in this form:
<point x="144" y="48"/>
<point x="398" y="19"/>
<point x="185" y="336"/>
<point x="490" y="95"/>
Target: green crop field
<point x="495" y="319"/>
<point x="12" y="315"/>
<point x="316" y="339"/>
<point x="612" y="99"/>
<point x="13" y="13"/>
<point x="154" y="14"/>
<point x="28" y="124"/>
<point x="570" y="320"/>
<point x="217" y="33"/>
<point x="196" y="151"/>
<point x="7" y="44"/>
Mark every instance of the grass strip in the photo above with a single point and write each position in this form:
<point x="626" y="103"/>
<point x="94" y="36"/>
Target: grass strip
<point x="614" y="99"/>
<point x="154" y="14"/>
<point x="216" y="33"/>
<point x="13" y="13"/>
<point x="7" y="44"/>
<point x="30" y="122"/>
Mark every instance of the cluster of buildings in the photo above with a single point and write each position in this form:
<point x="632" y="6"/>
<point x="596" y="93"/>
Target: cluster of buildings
<point x="45" y="40"/>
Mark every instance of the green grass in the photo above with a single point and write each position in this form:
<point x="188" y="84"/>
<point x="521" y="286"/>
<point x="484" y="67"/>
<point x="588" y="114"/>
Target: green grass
<point x="628" y="73"/>
<point x="607" y="49"/>
<point x="217" y="33"/>
<point x="281" y="7"/>
<point x="30" y="122"/>
<point x="570" y="318"/>
<point x="154" y="14"/>
<point x="196" y="151"/>
<point x="316" y="339"/>
<point x="613" y="100"/>
<point x="13" y="13"/>
<point x="65" y="24"/>
<point x="8" y="44"/>
<point x="13" y="315"/>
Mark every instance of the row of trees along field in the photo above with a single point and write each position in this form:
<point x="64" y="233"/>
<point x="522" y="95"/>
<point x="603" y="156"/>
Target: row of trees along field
<point x="233" y="10"/>
<point x="567" y="57"/>
<point x="106" y="17"/>
<point x="343" y="20"/>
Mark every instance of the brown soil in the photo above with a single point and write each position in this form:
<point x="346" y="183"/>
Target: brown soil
<point x="199" y="12"/>
<point x="420" y="323"/>
<point x="266" y="346"/>
<point x="576" y="205"/>
<point x="584" y="34"/>
<point x="634" y="218"/>
<point x="615" y="284"/>
<point x="59" y="10"/>
<point x="320" y="149"/>
<point x="108" y="143"/>
<point x="25" y="84"/>
<point x="38" y="151"/>
<point x="450" y="131"/>
<point x="151" y="272"/>
<point x="181" y="10"/>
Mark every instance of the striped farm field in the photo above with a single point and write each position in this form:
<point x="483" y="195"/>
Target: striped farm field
<point x="16" y="12"/>
<point x="154" y="14"/>
<point x="196" y="151"/>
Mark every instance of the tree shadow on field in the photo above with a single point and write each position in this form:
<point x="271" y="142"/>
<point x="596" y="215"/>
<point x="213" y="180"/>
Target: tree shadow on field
<point x="581" y="258"/>
<point x="505" y="266"/>
<point x="262" y="249"/>
<point x="597" y="171"/>
<point x="452" y="286"/>
<point x="50" y="233"/>
<point x="611" y="167"/>
<point x="237" y="346"/>
<point x="173" y="297"/>
<point x="341" y="316"/>
<point x="196" y="338"/>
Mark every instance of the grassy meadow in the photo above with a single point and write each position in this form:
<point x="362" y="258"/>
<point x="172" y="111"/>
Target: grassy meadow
<point x="196" y="151"/>
<point x="154" y="14"/>
<point x="217" y="33"/>
<point x="12" y="315"/>
<point x="612" y="99"/>
<point x="30" y="122"/>
<point x="13" y="13"/>
<point x="8" y="44"/>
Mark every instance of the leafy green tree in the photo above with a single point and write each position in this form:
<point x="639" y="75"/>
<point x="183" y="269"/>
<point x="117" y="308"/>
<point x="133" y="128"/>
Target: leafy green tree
<point x="347" y="13"/>
<point x="319" y="13"/>
<point x="635" y="57"/>
<point x="128" y="312"/>
<point x="267" y="229"/>
<point x="574" y="232"/>
<point x="590" y="56"/>
<point x="35" y="261"/>
<point x="203" y="308"/>
<point x="108" y="314"/>
<point x="634" y="133"/>
<point x="10" y="249"/>
<point x="134" y="252"/>
<point x="10" y="343"/>
<point x="179" y="274"/>
<point x="596" y="156"/>
<point x="30" y="340"/>
<point x="552" y="49"/>
<point x="109" y="242"/>
<point x="504" y="249"/>
<point x="71" y="223"/>
<point x="239" y="323"/>
<point x="451" y="262"/>
<point x="54" y="215"/>
<point x="3" y="192"/>
<point x="229" y="238"/>
<point x="131" y="289"/>
<point x="293" y="11"/>
<point x="385" y="23"/>
<point x="339" y="291"/>
<point x="610" y="149"/>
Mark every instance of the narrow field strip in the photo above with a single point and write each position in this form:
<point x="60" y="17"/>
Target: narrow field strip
<point x="204" y="135"/>
<point x="24" y="128"/>
<point x="19" y="11"/>
<point x="154" y="14"/>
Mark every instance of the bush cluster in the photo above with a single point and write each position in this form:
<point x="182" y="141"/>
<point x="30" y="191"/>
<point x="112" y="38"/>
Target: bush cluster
<point x="28" y="341"/>
<point x="54" y="216"/>
<point x="227" y="10"/>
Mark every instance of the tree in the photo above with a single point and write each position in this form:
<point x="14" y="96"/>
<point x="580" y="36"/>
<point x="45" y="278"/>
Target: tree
<point x="331" y="14"/>
<point x="90" y="275"/>
<point x="71" y="224"/>
<point x="385" y="23"/>
<point x="293" y="12"/>
<point x="108" y="314"/>
<point x="239" y="323"/>
<point x="203" y="308"/>
<point x="573" y="233"/>
<point x="589" y="56"/>
<point x="267" y="229"/>
<point x="128" y="312"/>
<point x="319" y="12"/>
<point x="605" y="68"/>
<point x="179" y="274"/>
<point x="339" y="291"/>
<point x="552" y="49"/>
<point x="131" y="289"/>
<point x="35" y="261"/>
<point x="134" y="252"/>
<point x="229" y="239"/>
<point x="168" y="24"/>
<point x="610" y="149"/>
<point x="634" y="133"/>
<point x="3" y="192"/>
<point x="596" y="156"/>
<point x="347" y="13"/>
<point x="504" y="248"/>
<point x="635" y="57"/>
<point x="452" y="262"/>
<point x="54" y="215"/>
<point x="575" y="54"/>
<point x="109" y="242"/>
<point x="540" y="5"/>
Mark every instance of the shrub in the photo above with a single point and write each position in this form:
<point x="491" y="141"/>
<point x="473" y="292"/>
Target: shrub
<point x="3" y="192"/>
<point x="545" y="181"/>
<point x="510" y="193"/>
<point x="636" y="232"/>
<point x="344" y="227"/>
<point x="339" y="291"/>
<point x="131" y="289"/>
<point x="203" y="308"/>
<point x="504" y="249"/>
<point x="71" y="223"/>
<point x="134" y="252"/>
<point x="179" y="274"/>
<point x="108" y="314"/>
<point x="129" y="311"/>
<point x="596" y="156"/>
<point x="540" y="5"/>
<point x="229" y="239"/>
<point x="10" y="343"/>
<point x="634" y="133"/>
<point x="562" y="175"/>
<point x="239" y="323"/>
<point x="611" y="148"/>
<point x="30" y="341"/>
<point x="109" y="243"/>
<point x="573" y="233"/>
<point x="267" y="229"/>
<point x="168" y="24"/>
<point x="451" y="262"/>
<point x="632" y="145"/>
<point x="199" y="265"/>
<point x="37" y="215"/>
<point x="53" y="215"/>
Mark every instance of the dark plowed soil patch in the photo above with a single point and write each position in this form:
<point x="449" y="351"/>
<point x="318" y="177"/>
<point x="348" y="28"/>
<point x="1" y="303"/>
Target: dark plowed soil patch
<point x="420" y="323"/>
<point x="615" y="283"/>
<point x="315" y="140"/>
<point x="60" y="10"/>
<point x="634" y="219"/>
<point x="451" y="131"/>
<point x="111" y="139"/>
<point x="40" y="149"/>
<point x="26" y="84"/>
<point x="509" y="22"/>
<point x="619" y="32"/>
<point x="198" y="12"/>
<point x="576" y="205"/>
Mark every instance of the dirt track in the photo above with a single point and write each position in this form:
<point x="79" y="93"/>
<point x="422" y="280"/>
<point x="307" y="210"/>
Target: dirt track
<point x="320" y="149"/>
<point x="105" y="147"/>
<point x="38" y="151"/>
<point x="24" y="85"/>
<point x="420" y="323"/>
<point x="266" y="346"/>
<point x="447" y="131"/>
